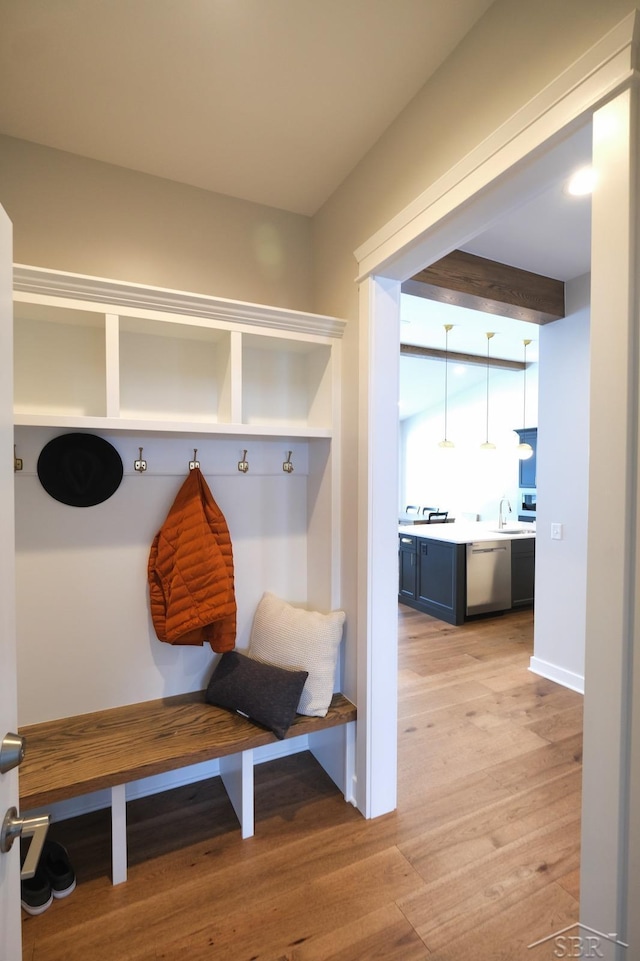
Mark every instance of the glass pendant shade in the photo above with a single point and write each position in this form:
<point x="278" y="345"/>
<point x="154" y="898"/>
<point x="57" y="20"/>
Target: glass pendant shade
<point x="525" y="451"/>
<point x="445" y="443"/>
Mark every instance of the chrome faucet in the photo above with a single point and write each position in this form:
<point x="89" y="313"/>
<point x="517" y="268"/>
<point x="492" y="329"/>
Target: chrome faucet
<point x="502" y="520"/>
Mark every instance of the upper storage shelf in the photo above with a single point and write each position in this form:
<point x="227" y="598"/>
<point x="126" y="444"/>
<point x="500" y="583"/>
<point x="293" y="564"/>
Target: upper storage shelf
<point x="94" y="353"/>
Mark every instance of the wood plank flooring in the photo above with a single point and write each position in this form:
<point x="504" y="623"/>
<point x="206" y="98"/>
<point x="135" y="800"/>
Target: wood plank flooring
<point x="479" y="861"/>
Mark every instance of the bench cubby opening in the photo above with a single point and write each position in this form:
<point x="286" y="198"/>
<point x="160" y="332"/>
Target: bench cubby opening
<point x="108" y="750"/>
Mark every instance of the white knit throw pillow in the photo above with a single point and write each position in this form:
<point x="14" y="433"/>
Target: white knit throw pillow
<point x="300" y="640"/>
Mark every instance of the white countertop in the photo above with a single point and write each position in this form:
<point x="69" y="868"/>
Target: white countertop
<point x="467" y="532"/>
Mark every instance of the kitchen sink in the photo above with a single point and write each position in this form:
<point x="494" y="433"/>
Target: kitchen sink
<point x="513" y="530"/>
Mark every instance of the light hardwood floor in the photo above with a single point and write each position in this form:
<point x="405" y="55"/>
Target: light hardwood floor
<point x="479" y="861"/>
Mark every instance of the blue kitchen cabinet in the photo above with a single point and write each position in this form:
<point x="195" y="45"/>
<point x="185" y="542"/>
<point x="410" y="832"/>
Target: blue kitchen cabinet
<point x="408" y="567"/>
<point x="523" y="572"/>
<point x="432" y="577"/>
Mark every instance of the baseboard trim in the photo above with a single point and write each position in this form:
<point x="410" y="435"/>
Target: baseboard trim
<point x="560" y="675"/>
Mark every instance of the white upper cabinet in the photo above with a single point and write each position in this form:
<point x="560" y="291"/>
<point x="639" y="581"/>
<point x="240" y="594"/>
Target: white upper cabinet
<point x="101" y="354"/>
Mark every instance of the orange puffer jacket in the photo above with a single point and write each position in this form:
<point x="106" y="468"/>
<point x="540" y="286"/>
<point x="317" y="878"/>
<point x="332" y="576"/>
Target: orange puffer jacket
<point x="190" y="571"/>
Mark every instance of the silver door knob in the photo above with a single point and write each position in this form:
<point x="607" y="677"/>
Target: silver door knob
<point x="14" y="827"/>
<point x="11" y="751"/>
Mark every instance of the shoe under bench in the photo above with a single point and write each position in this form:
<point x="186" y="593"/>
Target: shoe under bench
<point x="77" y="755"/>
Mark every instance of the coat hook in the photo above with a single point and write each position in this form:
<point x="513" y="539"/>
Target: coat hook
<point x="193" y="464"/>
<point x="140" y="465"/>
<point x="288" y="466"/>
<point x="243" y="464"/>
<point x="17" y="461"/>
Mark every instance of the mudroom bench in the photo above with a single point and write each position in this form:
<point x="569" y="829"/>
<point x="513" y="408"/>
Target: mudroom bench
<point x="107" y="749"/>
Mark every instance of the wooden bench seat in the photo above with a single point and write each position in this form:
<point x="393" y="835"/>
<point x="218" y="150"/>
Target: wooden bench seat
<point x="107" y="749"/>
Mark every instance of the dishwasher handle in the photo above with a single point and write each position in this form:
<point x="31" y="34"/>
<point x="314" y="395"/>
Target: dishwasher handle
<point x="487" y="550"/>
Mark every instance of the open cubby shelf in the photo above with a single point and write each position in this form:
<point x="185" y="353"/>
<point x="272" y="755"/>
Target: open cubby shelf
<point x="104" y="366"/>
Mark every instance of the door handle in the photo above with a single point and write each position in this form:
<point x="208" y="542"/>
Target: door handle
<point x="11" y="751"/>
<point x="36" y="828"/>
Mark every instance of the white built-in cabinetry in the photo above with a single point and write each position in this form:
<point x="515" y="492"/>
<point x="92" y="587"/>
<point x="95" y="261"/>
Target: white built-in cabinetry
<point x="170" y="373"/>
<point x="145" y="362"/>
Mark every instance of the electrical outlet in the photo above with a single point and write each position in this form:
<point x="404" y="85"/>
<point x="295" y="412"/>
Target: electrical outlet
<point x="556" y="532"/>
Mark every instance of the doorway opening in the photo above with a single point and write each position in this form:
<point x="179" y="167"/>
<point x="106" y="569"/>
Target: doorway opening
<point x="385" y="263"/>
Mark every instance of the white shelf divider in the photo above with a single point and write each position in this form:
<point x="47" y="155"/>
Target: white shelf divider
<point x="235" y="378"/>
<point x="112" y="364"/>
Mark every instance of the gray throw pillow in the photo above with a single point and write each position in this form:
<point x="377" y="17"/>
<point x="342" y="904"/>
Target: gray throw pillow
<point x="264" y="693"/>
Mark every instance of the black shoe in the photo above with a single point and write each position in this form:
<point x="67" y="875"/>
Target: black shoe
<point x="36" y="894"/>
<point x="57" y="869"/>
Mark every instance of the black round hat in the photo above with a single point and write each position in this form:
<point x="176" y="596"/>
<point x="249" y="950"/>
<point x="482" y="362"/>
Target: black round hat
<point x="80" y="469"/>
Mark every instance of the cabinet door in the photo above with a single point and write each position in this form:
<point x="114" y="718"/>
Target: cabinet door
<point x="441" y="586"/>
<point x="522" y="573"/>
<point x="408" y="567"/>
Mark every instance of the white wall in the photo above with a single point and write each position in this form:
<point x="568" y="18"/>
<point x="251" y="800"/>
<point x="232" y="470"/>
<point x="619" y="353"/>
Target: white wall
<point x="85" y="637"/>
<point x="563" y="459"/>
<point x="466" y="478"/>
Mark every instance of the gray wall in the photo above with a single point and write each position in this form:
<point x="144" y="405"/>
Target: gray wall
<point x="78" y="215"/>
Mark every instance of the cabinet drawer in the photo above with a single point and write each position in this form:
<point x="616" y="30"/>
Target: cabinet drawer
<point x="407" y="543"/>
<point x="526" y="545"/>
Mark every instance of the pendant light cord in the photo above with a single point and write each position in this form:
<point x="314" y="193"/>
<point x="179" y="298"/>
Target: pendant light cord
<point x="445" y="442"/>
<point x="487" y="424"/>
<point x="489" y="336"/>
<point x="524" y="386"/>
<point x="447" y="328"/>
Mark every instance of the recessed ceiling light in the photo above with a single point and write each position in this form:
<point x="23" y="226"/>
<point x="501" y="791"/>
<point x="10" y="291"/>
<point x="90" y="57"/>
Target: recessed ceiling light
<point x="581" y="182"/>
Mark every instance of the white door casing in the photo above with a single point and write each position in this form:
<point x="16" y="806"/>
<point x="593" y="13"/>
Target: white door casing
<point x="474" y="193"/>
<point x="10" y="941"/>
<point x="611" y="623"/>
<point x="377" y="554"/>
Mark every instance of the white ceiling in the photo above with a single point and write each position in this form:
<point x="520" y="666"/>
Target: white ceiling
<point x="549" y="235"/>
<point x="272" y="101"/>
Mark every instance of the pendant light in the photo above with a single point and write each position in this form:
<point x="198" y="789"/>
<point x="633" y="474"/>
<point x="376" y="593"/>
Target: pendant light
<point x="524" y="450"/>
<point x="445" y="442"/>
<point x="487" y="444"/>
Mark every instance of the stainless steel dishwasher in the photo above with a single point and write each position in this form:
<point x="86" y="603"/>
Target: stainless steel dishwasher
<point x="488" y="576"/>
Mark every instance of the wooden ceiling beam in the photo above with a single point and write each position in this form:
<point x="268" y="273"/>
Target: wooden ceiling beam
<point x="466" y="280"/>
<point x="432" y="353"/>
